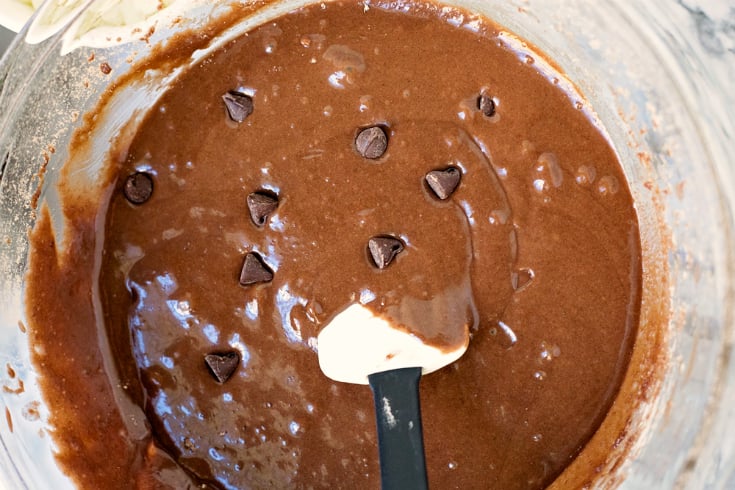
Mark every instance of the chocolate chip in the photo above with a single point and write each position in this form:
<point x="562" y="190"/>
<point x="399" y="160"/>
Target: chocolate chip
<point x="254" y="270"/>
<point x="261" y="204"/>
<point x="371" y="142"/>
<point x="443" y="182"/>
<point x="222" y="364"/>
<point x="239" y="106"/>
<point x="138" y="187"/>
<point x="383" y="249"/>
<point x="486" y="105"/>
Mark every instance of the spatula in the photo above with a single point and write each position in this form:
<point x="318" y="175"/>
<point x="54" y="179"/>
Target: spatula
<point x="360" y="347"/>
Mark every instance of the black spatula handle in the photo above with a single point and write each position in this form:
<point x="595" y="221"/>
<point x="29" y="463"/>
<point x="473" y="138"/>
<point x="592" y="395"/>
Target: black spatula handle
<point x="400" y="436"/>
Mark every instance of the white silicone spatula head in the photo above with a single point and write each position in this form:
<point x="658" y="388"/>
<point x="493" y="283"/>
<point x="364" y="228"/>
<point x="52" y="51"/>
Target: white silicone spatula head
<point x="357" y="343"/>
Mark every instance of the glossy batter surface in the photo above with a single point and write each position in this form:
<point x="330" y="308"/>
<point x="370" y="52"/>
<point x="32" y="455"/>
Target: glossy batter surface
<point x="537" y="249"/>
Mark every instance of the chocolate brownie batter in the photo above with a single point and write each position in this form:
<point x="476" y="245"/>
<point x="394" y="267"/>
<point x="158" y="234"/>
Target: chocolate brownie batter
<point x="341" y="154"/>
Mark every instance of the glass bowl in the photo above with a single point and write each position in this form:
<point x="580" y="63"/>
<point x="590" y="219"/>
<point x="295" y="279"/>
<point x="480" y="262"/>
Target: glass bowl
<point x="658" y="78"/>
